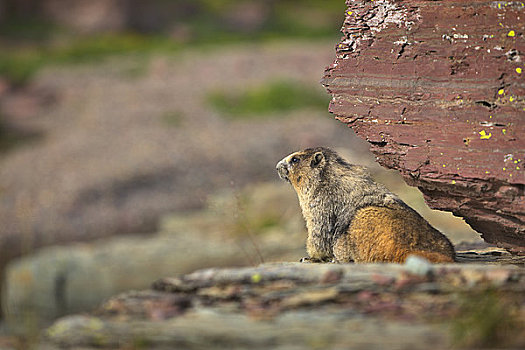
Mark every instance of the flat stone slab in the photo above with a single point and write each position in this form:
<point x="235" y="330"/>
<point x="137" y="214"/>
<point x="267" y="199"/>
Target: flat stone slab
<point x="303" y="306"/>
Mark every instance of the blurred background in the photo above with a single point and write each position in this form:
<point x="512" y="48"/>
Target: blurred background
<point x="138" y="139"/>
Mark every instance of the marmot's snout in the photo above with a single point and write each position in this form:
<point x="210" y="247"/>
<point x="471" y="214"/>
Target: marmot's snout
<point x="282" y="170"/>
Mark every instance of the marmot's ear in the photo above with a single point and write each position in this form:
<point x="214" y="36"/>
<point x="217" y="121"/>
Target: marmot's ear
<point x="316" y="159"/>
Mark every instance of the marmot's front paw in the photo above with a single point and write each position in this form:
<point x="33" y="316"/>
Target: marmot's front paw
<point x="314" y="260"/>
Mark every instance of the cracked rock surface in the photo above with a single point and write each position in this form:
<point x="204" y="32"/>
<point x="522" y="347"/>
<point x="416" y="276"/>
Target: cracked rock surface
<point x="437" y="89"/>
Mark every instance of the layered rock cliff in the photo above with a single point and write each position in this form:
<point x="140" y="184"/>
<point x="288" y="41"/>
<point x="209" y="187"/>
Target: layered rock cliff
<point x="438" y="90"/>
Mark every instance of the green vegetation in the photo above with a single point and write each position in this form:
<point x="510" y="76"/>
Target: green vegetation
<point x="21" y="63"/>
<point x="257" y="210"/>
<point x="247" y="221"/>
<point x="487" y="319"/>
<point x="29" y="29"/>
<point x="31" y="43"/>
<point x="173" y="118"/>
<point x="277" y="96"/>
<point x="10" y="137"/>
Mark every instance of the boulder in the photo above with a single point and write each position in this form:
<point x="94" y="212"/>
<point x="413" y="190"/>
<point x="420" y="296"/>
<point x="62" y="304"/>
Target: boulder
<point x="436" y="88"/>
<point x="310" y="306"/>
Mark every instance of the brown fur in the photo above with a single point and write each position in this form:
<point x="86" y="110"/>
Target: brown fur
<point x="350" y="217"/>
<point x="372" y="237"/>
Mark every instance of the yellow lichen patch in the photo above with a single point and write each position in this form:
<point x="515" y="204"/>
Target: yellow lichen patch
<point x="256" y="278"/>
<point x="90" y="324"/>
<point x="487" y="172"/>
<point x="453" y="182"/>
<point x="484" y="136"/>
<point x="518" y="70"/>
<point x="511" y="99"/>
<point x="444" y="166"/>
<point x="504" y="131"/>
<point x="511" y="33"/>
<point x="501" y="91"/>
<point x="349" y="13"/>
<point x="95" y="324"/>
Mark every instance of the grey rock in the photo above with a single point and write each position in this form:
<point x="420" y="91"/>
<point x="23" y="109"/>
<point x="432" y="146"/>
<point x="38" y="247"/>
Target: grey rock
<point x="291" y="306"/>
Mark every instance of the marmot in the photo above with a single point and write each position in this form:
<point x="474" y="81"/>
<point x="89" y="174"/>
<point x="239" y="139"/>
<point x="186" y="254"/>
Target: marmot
<point x="350" y="217"/>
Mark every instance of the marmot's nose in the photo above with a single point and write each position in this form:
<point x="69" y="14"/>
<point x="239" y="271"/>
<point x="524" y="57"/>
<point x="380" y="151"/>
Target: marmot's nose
<point x="281" y="166"/>
<point x="282" y="169"/>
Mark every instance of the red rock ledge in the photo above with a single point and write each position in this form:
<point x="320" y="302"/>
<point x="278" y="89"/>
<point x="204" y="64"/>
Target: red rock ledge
<point x="438" y="90"/>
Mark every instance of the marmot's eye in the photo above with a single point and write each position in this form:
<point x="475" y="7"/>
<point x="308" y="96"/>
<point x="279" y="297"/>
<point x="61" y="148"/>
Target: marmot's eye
<point x="295" y="160"/>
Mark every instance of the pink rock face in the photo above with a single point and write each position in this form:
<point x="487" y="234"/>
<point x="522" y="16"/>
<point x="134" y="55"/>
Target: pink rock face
<point x="438" y="90"/>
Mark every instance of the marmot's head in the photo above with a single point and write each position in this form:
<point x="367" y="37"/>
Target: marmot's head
<point x="303" y="167"/>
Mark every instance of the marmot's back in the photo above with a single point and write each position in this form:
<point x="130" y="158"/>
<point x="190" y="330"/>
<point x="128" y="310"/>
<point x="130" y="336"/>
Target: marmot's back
<point x="350" y="217"/>
<point x="384" y="234"/>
